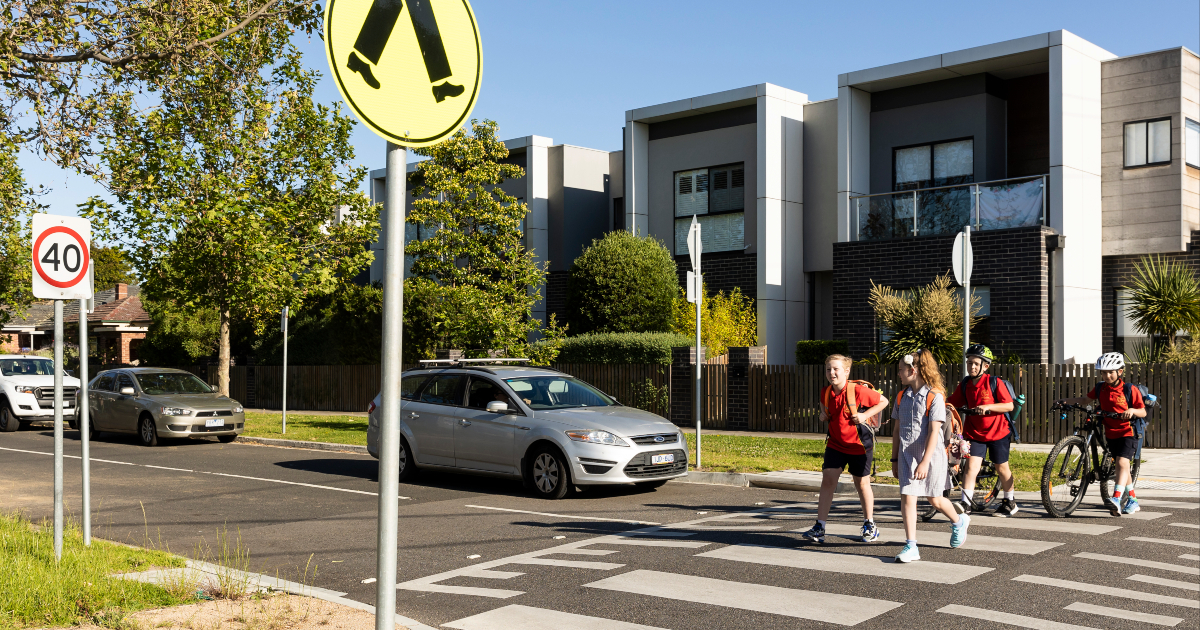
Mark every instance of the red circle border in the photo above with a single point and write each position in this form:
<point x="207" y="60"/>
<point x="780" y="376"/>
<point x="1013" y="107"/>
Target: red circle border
<point x="83" y="248"/>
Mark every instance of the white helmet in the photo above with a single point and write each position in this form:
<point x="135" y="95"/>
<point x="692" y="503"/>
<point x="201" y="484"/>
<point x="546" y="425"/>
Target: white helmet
<point x="1110" y="361"/>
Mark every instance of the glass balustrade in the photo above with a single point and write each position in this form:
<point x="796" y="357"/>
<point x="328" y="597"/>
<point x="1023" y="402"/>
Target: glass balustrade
<point x="993" y="205"/>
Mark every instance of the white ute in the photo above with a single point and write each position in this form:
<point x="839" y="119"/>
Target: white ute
<point x="27" y="391"/>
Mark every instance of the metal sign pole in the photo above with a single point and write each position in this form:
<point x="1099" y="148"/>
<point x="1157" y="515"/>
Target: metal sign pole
<point x="283" y="324"/>
<point x="82" y="413"/>
<point x="58" y="429"/>
<point x="966" y="266"/>
<point x="389" y="422"/>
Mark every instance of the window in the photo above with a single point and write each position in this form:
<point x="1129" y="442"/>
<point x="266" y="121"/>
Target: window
<point x="618" y="223"/>
<point x="1148" y="142"/>
<point x="103" y="383"/>
<point x="717" y="195"/>
<point x="168" y="383"/>
<point x="935" y="164"/>
<point x="1191" y="142"/>
<point x="124" y="381"/>
<point x="483" y="391"/>
<point x="558" y="392"/>
<point x="445" y="389"/>
<point x="27" y="367"/>
<point x="410" y="384"/>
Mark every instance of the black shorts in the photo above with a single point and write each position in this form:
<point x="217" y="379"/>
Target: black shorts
<point x="857" y="465"/>
<point x="997" y="450"/>
<point x="1123" y="446"/>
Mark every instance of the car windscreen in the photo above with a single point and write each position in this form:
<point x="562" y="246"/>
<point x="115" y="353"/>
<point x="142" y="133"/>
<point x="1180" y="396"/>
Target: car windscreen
<point x="27" y="367"/>
<point x="558" y="392"/>
<point x="160" y="383"/>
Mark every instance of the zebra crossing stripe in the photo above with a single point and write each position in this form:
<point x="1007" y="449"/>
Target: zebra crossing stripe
<point x="1019" y="621"/>
<point x="642" y="542"/>
<point x="570" y="564"/>
<point x="975" y="542"/>
<point x="1039" y="524"/>
<point x="1188" y="525"/>
<point x="530" y="618"/>
<point x="1189" y="556"/>
<point x="1109" y="590"/>
<point x="1121" y="613"/>
<point x="1165" y="566"/>
<point x="1161" y="541"/>
<point x="845" y="610"/>
<point x="1142" y="515"/>
<point x="1177" y="505"/>
<point x="1164" y="582"/>
<point x="854" y="564"/>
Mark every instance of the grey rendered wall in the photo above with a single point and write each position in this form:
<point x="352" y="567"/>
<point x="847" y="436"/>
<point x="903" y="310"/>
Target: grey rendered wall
<point x="1149" y="209"/>
<point x="515" y="187"/>
<point x="616" y="180"/>
<point x="579" y="201"/>
<point x="699" y="150"/>
<point x="981" y="116"/>
<point x="820" y="184"/>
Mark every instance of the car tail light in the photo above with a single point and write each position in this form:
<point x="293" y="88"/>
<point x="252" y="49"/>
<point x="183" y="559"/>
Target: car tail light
<point x="371" y="407"/>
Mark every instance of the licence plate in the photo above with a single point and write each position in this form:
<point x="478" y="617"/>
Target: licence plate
<point x="214" y="422"/>
<point x="668" y="458"/>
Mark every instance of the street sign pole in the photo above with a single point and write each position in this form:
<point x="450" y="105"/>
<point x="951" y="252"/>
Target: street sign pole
<point x="966" y="265"/>
<point x="695" y="249"/>
<point x="58" y="429"/>
<point x="283" y="325"/>
<point x="82" y="415"/>
<point x="389" y="421"/>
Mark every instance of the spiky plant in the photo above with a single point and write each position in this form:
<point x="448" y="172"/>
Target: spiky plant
<point x="926" y="317"/>
<point x="1164" y="298"/>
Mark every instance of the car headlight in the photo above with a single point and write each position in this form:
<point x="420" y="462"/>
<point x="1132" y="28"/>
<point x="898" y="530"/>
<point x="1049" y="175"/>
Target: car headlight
<point x="23" y="389"/>
<point x="176" y="411"/>
<point x="596" y="437"/>
<point x="238" y="410"/>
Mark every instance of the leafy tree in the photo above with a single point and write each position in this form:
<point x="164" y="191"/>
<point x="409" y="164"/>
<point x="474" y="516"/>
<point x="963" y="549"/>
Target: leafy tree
<point x="473" y="283"/>
<point x="237" y="199"/>
<point x="344" y="327"/>
<point x="1164" y="298"/>
<point x="112" y="266"/>
<point x="725" y="320"/>
<point x="622" y="283"/>
<point x="16" y="206"/>
<point x="928" y="317"/>
<point x="179" y="336"/>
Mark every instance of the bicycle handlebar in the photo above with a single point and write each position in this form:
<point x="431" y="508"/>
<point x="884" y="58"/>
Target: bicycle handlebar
<point x="1087" y="410"/>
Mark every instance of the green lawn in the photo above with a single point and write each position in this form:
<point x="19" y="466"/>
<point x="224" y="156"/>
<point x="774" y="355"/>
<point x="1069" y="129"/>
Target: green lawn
<point x="37" y="591"/>
<point x="332" y="429"/>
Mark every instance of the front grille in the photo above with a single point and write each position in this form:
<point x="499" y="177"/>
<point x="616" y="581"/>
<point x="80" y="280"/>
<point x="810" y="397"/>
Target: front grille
<point x="667" y="438"/>
<point x="179" y="428"/>
<point x="228" y="427"/>
<point x="46" y="394"/>
<point x="213" y="414"/>
<point x="640" y="466"/>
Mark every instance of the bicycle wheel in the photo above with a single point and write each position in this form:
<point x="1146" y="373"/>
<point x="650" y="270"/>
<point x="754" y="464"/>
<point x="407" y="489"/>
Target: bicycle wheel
<point x="1065" y="476"/>
<point x="1108" y="476"/>
<point x="928" y="512"/>
<point x="987" y="493"/>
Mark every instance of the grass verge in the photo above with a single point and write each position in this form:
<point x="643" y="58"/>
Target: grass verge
<point x="36" y="590"/>
<point x="331" y="429"/>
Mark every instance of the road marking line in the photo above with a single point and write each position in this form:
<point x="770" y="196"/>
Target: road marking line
<point x="1040" y="524"/>
<point x="728" y="528"/>
<point x="1109" y="590"/>
<point x="1187" y="525"/>
<point x="588" y="518"/>
<point x="1149" y="579"/>
<point x="854" y="564"/>
<point x="1179" y="543"/>
<point x="1019" y="621"/>
<point x="204" y="472"/>
<point x="1141" y="515"/>
<point x="657" y="531"/>
<point x="655" y="543"/>
<point x="975" y="542"/>
<point x="529" y="618"/>
<point x="1169" y="504"/>
<point x="1165" y="566"/>
<point x="1189" y="556"/>
<point x="846" y="610"/>
<point x="590" y="552"/>
<point x="1121" y="613"/>
<point x="571" y="564"/>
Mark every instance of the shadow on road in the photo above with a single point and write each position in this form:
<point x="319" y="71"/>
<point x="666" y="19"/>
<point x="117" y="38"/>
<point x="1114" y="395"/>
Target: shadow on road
<point x="73" y="435"/>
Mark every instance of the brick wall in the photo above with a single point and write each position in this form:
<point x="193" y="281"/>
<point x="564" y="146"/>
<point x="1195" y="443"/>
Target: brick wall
<point x="723" y="271"/>
<point x="1012" y="262"/>
<point x="1118" y="272"/>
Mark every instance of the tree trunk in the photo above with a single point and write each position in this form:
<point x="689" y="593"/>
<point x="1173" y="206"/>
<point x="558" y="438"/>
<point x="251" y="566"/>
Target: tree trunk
<point x="223" y="356"/>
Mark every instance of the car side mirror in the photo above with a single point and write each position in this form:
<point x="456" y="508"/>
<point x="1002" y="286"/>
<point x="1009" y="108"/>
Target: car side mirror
<point x="497" y="406"/>
<point x="126" y="391"/>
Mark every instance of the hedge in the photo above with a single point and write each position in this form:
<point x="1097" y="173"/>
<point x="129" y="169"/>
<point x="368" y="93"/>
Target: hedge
<point x="816" y="351"/>
<point x="622" y="348"/>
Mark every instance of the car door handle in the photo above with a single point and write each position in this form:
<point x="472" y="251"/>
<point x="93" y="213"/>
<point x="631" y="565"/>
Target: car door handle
<point x="523" y="428"/>
<point x="465" y="422"/>
<point x="413" y="415"/>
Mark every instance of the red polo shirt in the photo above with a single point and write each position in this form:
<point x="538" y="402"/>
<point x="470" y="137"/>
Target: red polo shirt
<point x="1113" y="399"/>
<point x="843" y="433"/>
<point x="988" y="428"/>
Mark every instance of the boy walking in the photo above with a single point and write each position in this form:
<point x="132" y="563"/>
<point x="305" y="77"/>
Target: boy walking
<point x="847" y="407"/>
<point x="986" y="427"/>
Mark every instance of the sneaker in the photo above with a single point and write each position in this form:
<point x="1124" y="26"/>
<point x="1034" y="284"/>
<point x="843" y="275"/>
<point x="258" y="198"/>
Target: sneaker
<point x="816" y="534"/>
<point x="1131" y="506"/>
<point x="870" y="533"/>
<point x="908" y="553"/>
<point x="958" y="533"/>
<point x="1114" y="508"/>
<point x="1008" y="507"/>
<point x="964" y="506"/>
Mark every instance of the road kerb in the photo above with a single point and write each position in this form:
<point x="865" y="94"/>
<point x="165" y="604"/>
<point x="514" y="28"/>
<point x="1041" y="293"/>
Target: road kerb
<point x="314" y="446"/>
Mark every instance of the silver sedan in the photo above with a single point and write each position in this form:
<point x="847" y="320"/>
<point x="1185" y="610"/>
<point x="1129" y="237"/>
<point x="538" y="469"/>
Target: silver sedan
<point x="161" y="402"/>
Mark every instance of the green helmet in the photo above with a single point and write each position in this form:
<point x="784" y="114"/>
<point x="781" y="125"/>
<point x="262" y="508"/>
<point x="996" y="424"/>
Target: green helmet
<point x="981" y="351"/>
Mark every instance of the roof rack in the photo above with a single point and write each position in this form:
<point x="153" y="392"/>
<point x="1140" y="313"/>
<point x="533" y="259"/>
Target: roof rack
<point x="471" y="361"/>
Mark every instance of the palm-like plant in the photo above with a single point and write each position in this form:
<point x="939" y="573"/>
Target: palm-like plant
<point x="928" y="317"/>
<point x="1164" y="298"/>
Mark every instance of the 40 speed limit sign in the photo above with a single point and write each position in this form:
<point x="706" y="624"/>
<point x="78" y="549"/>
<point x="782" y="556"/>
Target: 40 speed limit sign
<point x="61" y="257"/>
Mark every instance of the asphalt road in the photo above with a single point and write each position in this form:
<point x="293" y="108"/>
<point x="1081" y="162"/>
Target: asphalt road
<point x="479" y="554"/>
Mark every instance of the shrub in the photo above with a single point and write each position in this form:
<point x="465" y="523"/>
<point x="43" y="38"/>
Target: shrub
<point x="814" y="352"/>
<point x="725" y="320"/>
<point x="928" y="317"/>
<point x="1185" y="351"/>
<point x="1163" y="298"/>
<point x="621" y="348"/>
<point x="622" y="283"/>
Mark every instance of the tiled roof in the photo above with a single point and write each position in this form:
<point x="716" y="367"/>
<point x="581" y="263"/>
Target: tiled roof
<point x="108" y="310"/>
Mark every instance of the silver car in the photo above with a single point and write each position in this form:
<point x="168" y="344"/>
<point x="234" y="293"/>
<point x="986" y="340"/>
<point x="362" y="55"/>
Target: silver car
<point x="161" y="402"/>
<point x="540" y="425"/>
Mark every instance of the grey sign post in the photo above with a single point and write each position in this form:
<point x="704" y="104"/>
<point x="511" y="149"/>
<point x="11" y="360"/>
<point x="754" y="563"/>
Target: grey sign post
<point x="283" y="327"/>
<point x="694" y="250"/>
<point x="83" y="411"/>
<point x="961" y="261"/>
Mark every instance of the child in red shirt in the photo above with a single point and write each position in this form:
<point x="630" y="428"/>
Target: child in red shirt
<point x="987" y="429"/>
<point x="850" y="444"/>
<point x="1117" y="431"/>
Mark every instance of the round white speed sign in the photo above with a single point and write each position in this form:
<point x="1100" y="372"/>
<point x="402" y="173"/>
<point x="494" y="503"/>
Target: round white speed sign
<point x="61" y="255"/>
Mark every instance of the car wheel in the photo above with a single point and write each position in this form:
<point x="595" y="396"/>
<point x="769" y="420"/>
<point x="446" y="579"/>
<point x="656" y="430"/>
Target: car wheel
<point x="8" y="421"/>
<point x="147" y="432"/>
<point x="407" y="466"/>
<point x="548" y="474"/>
<point x="226" y="439"/>
<point x="92" y="432"/>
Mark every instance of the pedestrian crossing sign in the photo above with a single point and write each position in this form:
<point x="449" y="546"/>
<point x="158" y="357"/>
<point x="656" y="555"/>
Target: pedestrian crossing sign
<point x="409" y="69"/>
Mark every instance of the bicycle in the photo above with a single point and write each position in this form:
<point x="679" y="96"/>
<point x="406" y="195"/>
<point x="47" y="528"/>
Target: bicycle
<point x="956" y="472"/>
<point x="1069" y="470"/>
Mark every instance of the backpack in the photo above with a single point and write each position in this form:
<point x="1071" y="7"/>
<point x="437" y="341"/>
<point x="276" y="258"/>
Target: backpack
<point x="1149" y="401"/>
<point x="994" y="383"/>
<point x="952" y="431"/>
<point x="874" y="422"/>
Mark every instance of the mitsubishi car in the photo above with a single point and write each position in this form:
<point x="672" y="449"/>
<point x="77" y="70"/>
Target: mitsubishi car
<point x="158" y="403"/>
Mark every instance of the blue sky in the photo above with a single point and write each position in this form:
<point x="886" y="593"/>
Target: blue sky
<point x="569" y="69"/>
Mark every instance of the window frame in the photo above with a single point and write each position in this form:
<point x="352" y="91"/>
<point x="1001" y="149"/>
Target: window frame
<point x="1186" y="122"/>
<point x="1148" y="164"/>
<point x="932" y="154"/>
<point x="462" y="393"/>
<point x="708" y="174"/>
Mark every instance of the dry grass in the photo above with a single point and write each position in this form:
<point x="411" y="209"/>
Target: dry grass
<point x="264" y="612"/>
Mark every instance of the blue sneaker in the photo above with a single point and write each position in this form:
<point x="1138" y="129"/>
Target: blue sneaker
<point x="908" y="553"/>
<point x="958" y="533"/>
<point x="870" y="533"/>
<point x="1131" y="506"/>
<point x="816" y="534"/>
<point x="1113" y="506"/>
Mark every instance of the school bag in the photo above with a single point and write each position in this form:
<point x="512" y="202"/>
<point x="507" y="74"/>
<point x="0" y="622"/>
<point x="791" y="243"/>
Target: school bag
<point x="952" y="431"/>
<point x="874" y="422"/>
<point x="994" y="383"/>
<point x="1150" y="401"/>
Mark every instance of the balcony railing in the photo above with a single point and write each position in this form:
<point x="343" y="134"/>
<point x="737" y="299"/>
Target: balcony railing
<point x="993" y="205"/>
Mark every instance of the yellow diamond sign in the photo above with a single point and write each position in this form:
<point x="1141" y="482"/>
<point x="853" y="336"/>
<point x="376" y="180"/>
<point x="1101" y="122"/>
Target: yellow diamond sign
<point x="410" y="69"/>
